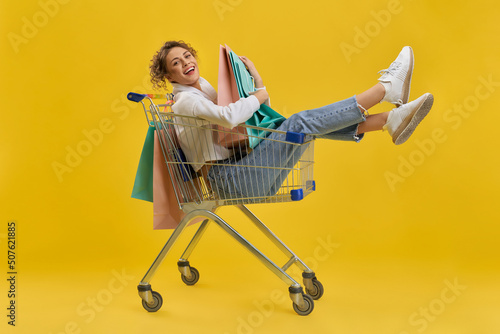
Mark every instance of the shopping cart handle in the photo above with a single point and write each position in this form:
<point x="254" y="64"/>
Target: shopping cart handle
<point x="136" y="97"/>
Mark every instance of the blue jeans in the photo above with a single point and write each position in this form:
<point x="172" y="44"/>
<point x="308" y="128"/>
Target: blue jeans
<point x="232" y="179"/>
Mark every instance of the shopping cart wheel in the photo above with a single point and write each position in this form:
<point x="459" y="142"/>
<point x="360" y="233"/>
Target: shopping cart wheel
<point x="318" y="290"/>
<point x="195" y="276"/>
<point x="156" y="305"/>
<point x="307" y="308"/>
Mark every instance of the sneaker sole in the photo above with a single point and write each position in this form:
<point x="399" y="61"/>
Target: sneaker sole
<point x="407" y="84"/>
<point x="408" y="127"/>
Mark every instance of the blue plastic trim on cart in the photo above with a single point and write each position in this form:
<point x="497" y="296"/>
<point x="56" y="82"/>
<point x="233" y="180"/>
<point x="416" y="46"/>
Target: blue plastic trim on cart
<point x="295" y="137"/>
<point x="297" y="194"/>
<point x="136" y="97"/>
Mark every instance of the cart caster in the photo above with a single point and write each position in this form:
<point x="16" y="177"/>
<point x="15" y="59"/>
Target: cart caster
<point x="195" y="276"/>
<point x="155" y="305"/>
<point x="318" y="290"/>
<point x="189" y="275"/>
<point x="302" y="304"/>
<point x="314" y="288"/>
<point x="307" y="308"/>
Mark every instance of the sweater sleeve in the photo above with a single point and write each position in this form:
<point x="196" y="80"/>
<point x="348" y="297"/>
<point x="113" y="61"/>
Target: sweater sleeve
<point x="228" y="117"/>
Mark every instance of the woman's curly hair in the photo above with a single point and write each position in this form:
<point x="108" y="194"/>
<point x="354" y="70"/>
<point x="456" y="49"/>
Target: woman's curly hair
<point x="158" y="67"/>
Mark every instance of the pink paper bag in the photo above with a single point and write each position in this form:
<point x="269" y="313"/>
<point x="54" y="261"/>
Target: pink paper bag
<point x="166" y="211"/>
<point x="228" y="93"/>
<point x="226" y="85"/>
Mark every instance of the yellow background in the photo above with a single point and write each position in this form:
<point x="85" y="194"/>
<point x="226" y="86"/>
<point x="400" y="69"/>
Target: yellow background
<point x="395" y="246"/>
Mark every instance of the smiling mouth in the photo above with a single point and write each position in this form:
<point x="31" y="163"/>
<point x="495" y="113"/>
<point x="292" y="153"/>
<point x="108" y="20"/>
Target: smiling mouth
<point x="189" y="70"/>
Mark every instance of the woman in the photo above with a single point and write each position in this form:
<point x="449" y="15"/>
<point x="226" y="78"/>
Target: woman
<point x="344" y="120"/>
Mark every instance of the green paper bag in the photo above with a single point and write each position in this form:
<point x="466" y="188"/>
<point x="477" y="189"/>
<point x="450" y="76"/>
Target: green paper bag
<point x="143" y="184"/>
<point x="265" y="117"/>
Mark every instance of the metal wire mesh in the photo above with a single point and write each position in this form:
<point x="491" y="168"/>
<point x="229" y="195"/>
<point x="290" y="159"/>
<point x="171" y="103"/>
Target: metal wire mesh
<point x="193" y="146"/>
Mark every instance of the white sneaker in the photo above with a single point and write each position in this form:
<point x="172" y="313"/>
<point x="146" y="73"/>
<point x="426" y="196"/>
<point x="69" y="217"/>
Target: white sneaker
<point x="397" y="78"/>
<point x="403" y="120"/>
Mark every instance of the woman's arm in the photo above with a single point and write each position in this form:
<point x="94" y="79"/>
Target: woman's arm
<point x="226" y="116"/>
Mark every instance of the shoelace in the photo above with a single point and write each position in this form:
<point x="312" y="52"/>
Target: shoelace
<point x="399" y="102"/>
<point x="391" y="71"/>
<point x="392" y="68"/>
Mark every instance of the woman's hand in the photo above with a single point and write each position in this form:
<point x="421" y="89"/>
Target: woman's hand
<point x="253" y="71"/>
<point x="262" y="94"/>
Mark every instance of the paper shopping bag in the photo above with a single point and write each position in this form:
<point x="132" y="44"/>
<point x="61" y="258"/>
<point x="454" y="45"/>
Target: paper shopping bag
<point x="227" y="93"/>
<point x="166" y="212"/>
<point x="143" y="184"/>
<point x="226" y="85"/>
<point x="265" y="117"/>
<point x="153" y="183"/>
<point x="244" y="81"/>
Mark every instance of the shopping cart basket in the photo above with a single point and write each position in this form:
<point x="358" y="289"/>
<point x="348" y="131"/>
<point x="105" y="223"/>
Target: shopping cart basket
<point x="197" y="197"/>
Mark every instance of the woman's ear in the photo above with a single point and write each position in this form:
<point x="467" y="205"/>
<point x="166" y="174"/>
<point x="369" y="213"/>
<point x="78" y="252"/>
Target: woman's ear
<point x="169" y="78"/>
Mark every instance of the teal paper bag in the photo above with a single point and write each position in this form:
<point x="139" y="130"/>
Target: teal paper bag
<point x="143" y="184"/>
<point x="265" y="117"/>
<point x="244" y="81"/>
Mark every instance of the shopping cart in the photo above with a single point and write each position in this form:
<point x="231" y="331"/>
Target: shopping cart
<point x="197" y="197"/>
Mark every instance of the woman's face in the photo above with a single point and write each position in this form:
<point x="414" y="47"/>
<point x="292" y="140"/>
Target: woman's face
<point x="182" y="67"/>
